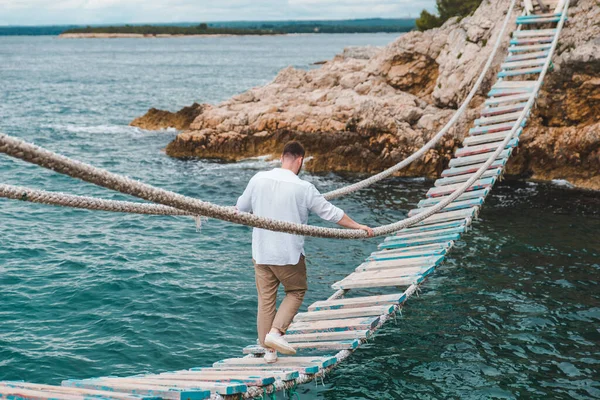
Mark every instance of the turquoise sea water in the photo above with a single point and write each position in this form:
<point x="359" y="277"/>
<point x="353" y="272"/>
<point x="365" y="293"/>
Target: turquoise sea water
<point x="514" y="312"/>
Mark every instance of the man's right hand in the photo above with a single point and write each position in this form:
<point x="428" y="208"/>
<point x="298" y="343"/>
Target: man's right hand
<point x="369" y="231"/>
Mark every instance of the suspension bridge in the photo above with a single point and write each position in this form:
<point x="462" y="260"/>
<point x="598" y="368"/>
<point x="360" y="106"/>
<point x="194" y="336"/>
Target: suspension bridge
<point x="333" y="329"/>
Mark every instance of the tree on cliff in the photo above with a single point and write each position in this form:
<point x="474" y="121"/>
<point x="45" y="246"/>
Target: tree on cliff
<point x="446" y="9"/>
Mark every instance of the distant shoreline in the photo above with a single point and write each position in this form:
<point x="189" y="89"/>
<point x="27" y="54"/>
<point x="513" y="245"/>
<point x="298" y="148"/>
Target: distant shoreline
<point x="151" y="36"/>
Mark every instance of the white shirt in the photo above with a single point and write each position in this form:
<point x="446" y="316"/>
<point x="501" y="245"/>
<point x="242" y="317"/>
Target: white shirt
<point x="280" y="194"/>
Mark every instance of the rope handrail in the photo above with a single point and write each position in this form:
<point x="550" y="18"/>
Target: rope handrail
<point x="86" y="202"/>
<point x="435" y="139"/>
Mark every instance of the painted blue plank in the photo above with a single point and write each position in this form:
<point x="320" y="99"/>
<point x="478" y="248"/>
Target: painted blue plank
<point x="400" y="244"/>
<point x="527" y="71"/>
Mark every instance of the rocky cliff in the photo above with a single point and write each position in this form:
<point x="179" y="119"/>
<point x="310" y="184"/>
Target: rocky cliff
<point x="367" y="109"/>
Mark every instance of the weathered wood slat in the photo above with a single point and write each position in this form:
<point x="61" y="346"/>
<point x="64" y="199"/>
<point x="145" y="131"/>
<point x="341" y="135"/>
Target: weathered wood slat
<point x="429" y="251"/>
<point x="411" y="248"/>
<point x="353" y="302"/>
<point x="400" y="263"/>
<point x="377" y="283"/>
<point x="211" y="375"/>
<point x="311" y="346"/>
<point x="198" y="380"/>
<point x="431" y="227"/>
<point x="418" y="241"/>
<point x="489" y="111"/>
<point x="465" y="196"/>
<point x="477" y="159"/>
<point x="327" y="336"/>
<point x="448" y="189"/>
<point x="18" y="393"/>
<point x="530" y="21"/>
<point x="320" y="362"/>
<point x="471" y="169"/>
<point x="533" y="47"/>
<point x="308" y="370"/>
<point x="489" y="138"/>
<point x="463" y="178"/>
<point x="532" y="40"/>
<point x="63" y="392"/>
<point x="534" y="32"/>
<point x="518" y="72"/>
<point x="484" y="148"/>
<point x="440" y="232"/>
<point x="323" y="315"/>
<point x="224" y="389"/>
<point x="498" y="118"/>
<point x="507" y="99"/>
<point x="386" y="273"/>
<point x="141" y="389"/>
<point x="352" y="324"/>
<point x="502" y="127"/>
<point x="527" y="56"/>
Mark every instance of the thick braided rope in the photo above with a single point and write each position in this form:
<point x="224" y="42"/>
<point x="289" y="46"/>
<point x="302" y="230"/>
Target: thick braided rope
<point x="434" y="140"/>
<point x="85" y="202"/>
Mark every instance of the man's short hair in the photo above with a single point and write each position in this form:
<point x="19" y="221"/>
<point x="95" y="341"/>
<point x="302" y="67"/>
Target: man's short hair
<point x="294" y="149"/>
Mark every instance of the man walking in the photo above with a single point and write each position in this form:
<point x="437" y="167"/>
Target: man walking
<point x="279" y="257"/>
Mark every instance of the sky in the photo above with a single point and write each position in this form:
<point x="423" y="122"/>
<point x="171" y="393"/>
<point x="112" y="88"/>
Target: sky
<point x="82" y="12"/>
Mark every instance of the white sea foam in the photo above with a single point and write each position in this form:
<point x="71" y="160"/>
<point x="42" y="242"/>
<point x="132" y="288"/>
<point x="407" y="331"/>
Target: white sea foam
<point x="562" y="182"/>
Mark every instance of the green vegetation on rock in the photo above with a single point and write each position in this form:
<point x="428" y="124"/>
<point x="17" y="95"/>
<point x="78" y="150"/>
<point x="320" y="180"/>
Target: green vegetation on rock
<point x="446" y="9"/>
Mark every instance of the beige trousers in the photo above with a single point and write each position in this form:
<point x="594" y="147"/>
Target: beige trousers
<point x="268" y="278"/>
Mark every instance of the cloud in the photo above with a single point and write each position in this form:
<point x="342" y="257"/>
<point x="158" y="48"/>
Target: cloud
<point x="38" y="12"/>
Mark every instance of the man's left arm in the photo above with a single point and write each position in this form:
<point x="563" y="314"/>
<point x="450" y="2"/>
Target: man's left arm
<point x="244" y="202"/>
<point x="324" y="209"/>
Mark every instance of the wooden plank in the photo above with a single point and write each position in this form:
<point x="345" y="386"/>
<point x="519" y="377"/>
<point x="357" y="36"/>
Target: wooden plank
<point x="311" y="346"/>
<point x="307" y="370"/>
<point x="212" y="375"/>
<point x="489" y="138"/>
<point x="410" y="248"/>
<point x="463" y="178"/>
<point x="386" y="273"/>
<point x="419" y="241"/>
<point x="526" y="63"/>
<point x="440" y="232"/>
<point x="503" y="109"/>
<point x="377" y="283"/>
<point x="476" y="159"/>
<point x="536" y="16"/>
<point x="514" y="85"/>
<point x="323" y="315"/>
<point x="141" y="389"/>
<point x="448" y="189"/>
<point x="397" y="263"/>
<point x="437" y="250"/>
<point x="532" y="40"/>
<point x="224" y="389"/>
<point x="465" y="196"/>
<point x="431" y="227"/>
<point x="534" y="32"/>
<point x="508" y="99"/>
<point x="527" y="56"/>
<point x="502" y="127"/>
<point x="336" y="325"/>
<point x="533" y="47"/>
<point x="196" y="381"/>
<point x="18" y="393"/>
<point x="86" y="393"/>
<point x="530" y="21"/>
<point x="469" y="170"/>
<point x="327" y="336"/>
<point x="353" y="302"/>
<point x="519" y="72"/>
<point x="498" y="118"/>
<point x="485" y="148"/>
<point x="320" y="362"/>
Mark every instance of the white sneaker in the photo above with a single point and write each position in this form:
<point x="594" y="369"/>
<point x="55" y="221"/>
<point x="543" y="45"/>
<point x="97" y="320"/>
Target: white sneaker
<point x="278" y="343"/>
<point x="270" y="356"/>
